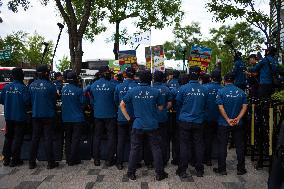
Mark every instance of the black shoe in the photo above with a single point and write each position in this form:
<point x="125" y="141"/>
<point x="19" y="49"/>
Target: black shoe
<point x="181" y="174"/>
<point x="174" y="162"/>
<point x="131" y="176"/>
<point x="241" y="171"/>
<point x="32" y="165"/>
<point x="219" y="171"/>
<point x="72" y="163"/>
<point x="52" y="165"/>
<point x="97" y="162"/>
<point x="199" y="173"/>
<point x="162" y="176"/>
<point x="6" y="162"/>
<point x="138" y="165"/>
<point x="150" y="166"/>
<point x="119" y="166"/>
<point x="15" y="163"/>
<point x="109" y="163"/>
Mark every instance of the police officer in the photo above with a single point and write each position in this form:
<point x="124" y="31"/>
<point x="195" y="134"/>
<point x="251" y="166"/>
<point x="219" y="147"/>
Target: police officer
<point x="265" y="68"/>
<point x="163" y="115"/>
<point x="102" y="92"/>
<point x="239" y="71"/>
<point x="58" y="82"/>
<point x="232" y="105"/>
<point x="253" y="78"/>
<point x="43" y="98"/>
<point x="173" y="79"/>
<point x="212" y="114"/>
<point x="15" y="98"/>
<point x="144" y="100"/>
<point x="73" y="102"/>
<point x="124" y="127"/>
<point x="192" y="100"/>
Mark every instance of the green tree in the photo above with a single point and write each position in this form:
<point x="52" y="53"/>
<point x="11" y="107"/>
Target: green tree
<point x="16" y="41"/>
<point x="77" y="15"/>
<point x="243" y="9"/>
<point x="147" y="14"/>
<point x="33" y="54"/>
<point x="64" y="64"/>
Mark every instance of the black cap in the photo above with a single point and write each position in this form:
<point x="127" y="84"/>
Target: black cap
<point x="71" y="76"/>
<point x="18" y="74"/>
<point x="229" y="77"/>
<point x="103" y="69"/>
<point x="158" y="76"/>
<point x="42" y="68"/>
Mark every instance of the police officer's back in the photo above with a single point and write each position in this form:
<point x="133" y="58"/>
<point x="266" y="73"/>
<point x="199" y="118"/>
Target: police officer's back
<point x="43" y="99"/>
<point x="239" y="71"/>
<point x="15" y="98"/>
<point x="73" y="101"/>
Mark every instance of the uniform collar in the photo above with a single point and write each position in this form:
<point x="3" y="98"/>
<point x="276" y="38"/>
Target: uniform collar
<point x="144" y="84"/>
<point x="158" y="83"/>
<point x="193" y="81"/>
<point x="229" y="85"/>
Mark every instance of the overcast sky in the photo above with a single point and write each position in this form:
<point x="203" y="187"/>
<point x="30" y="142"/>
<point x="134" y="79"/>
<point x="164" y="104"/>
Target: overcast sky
<point x="43" y="20"/>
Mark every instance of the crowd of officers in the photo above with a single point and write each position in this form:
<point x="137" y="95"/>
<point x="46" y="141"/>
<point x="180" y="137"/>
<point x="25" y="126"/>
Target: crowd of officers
<point x="137" y="107"/>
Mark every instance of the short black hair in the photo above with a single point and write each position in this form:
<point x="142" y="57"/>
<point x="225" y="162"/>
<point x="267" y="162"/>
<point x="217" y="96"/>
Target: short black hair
<point x="145" y="77"/>
<point x="130" y="72"/>
<point x="229" y="77"/>
<point x="176" y="74"/>
<point x="18" y="74"/>
<point x="183" y="79"/>
<point x="205" y="78"/>
<point x="159" y="76"/>
<point x="216" y="76"/>
<point x="194" y="72"/>
<point x="253" y="56"/>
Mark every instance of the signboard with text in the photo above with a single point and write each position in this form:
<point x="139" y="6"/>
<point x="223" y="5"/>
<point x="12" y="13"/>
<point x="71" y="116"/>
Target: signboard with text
<point x="157" y="57"/>
<point x="200" y="56"/>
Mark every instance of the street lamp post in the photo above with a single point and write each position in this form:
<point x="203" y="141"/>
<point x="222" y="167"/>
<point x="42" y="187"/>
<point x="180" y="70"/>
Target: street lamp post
<point x="61" y="26"/>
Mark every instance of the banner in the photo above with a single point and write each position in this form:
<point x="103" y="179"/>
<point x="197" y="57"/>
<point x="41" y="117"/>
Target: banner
<point x="114" y="66"/>
<point x="200" y="56"/>
<point x="143" y="38"/>
<point x="157" y="58"/>
<point x="127" y="57"/>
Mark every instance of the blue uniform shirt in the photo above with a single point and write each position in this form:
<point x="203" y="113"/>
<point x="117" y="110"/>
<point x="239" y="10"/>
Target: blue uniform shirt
<point x="73" y="101"/>
<point x="262" y="67"/>
<point x="102" y="92"/>
<point x="166" y="97"/>
<point x="232" y="98"/>
<point x="58" y="85"/>
<point x="239" y="71"/>
<point x="15" y="98"/>
<point x="173" y="83"/>
<point x="43" y="97"/>
<point x="144" y="100"/>
<point x="120" y="92"/>
<point x="192" y="99"/>
<point x="212" y="110"/>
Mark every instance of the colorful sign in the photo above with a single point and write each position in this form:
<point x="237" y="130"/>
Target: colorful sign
<point x="127" y="57"/>
<point x="114" y="66"/>
<point x="157" y="58"/>
<point x="200" y="56"/>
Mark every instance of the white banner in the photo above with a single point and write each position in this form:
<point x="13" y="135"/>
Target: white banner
<point x="143" y="38"/>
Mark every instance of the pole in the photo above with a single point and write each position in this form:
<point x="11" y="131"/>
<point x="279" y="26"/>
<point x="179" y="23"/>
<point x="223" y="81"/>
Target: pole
<point x="61" y="26"/>
<point x="44" y="51"/>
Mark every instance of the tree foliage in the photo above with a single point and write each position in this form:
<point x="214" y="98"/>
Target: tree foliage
<point x="64" y="64"/>
<point x="25" y="49"/>
<point x="243" y="9"/>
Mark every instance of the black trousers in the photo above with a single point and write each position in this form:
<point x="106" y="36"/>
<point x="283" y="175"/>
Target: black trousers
<point x="165" y="146"/>
<point x="210" y="131"/>
<point x="72" y="140"/>
<point x="188" y="131"/>
<point x="108" y="124"/>
<point x="137" y="138"/>
<point x="123" y="133"/>
<point x="43" y="126"/>
<point x="13" y="139"/>
<point x="238" y="137"/>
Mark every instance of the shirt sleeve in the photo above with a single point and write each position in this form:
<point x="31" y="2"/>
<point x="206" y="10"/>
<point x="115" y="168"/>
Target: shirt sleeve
<point x="127" y="98"/>
<point x="160" y="100"/>
<point x="26" y="96"/>
<point x="259" y="65"/>
<point x="244" y="99"/>
<point x="116" y="96"/>
<point x="2" y="97"/>
<point x="219" y="100"/>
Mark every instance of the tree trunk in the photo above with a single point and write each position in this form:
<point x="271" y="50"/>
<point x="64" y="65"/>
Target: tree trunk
<point x="116" y="40"/>
<point x="76" y="53"/>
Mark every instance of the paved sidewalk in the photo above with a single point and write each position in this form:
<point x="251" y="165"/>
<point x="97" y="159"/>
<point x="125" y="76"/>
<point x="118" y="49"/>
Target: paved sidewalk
<point x="87" y="176"/>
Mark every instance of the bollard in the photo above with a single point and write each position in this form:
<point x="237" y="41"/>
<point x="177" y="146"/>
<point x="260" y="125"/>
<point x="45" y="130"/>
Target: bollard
<point x="270" y="130"/>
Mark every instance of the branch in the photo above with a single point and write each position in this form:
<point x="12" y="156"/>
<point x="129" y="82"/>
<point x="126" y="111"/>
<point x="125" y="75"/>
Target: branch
<point x="85" y="18"/>
<point x="71" y="12"/>
<point x="63" y="13"/>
